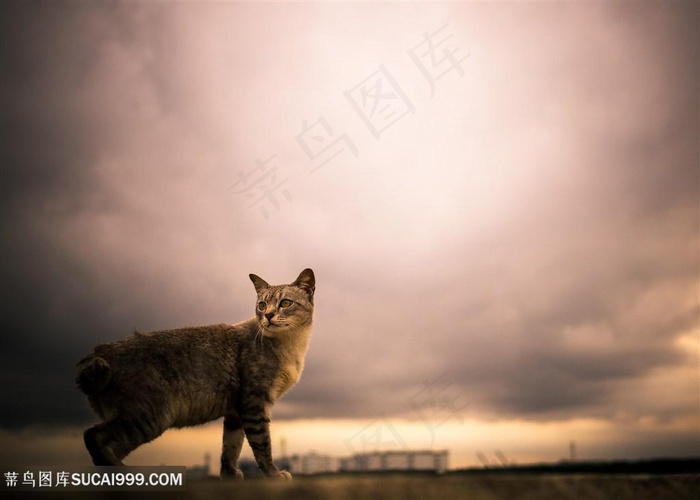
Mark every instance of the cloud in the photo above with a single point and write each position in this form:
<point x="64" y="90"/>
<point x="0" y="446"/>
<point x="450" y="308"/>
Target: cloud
<point x="529" y="233"/>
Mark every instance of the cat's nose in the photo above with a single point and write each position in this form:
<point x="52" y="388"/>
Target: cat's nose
<point x="269" y="316"/>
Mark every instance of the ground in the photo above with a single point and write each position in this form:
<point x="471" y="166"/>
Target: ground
<point x="406" y="486"/>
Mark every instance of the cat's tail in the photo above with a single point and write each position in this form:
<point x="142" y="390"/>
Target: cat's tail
<point x="94" y="373"/>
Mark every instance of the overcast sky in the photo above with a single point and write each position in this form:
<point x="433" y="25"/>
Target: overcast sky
<point x="510" y="221"/>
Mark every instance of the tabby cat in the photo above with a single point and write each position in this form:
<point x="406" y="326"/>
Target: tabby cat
<point x="147" y="383"/>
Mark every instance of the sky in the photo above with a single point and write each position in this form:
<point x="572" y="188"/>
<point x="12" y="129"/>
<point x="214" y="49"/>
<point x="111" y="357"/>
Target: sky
<point x="499" y="202"/>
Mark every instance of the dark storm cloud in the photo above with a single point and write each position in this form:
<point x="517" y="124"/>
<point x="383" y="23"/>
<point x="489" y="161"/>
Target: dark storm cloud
<point x="569" y="281"/>
<point x="41" y="162"/>
<point x="59" y="120"/>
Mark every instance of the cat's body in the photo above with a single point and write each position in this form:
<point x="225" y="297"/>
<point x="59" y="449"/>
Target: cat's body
<point x="147" y="383"/>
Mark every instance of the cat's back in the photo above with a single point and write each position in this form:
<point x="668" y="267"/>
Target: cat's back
<point x="202" y="348"/>
<point x="219" y="336"/>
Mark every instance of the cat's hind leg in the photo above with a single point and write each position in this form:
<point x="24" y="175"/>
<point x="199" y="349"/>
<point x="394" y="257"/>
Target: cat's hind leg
<point x="231" y="450"/>
<point x="109" y="442"/>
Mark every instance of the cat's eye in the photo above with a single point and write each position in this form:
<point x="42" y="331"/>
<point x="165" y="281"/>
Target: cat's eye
<point x="262" y="305"/>
<point x="285" y="303"/>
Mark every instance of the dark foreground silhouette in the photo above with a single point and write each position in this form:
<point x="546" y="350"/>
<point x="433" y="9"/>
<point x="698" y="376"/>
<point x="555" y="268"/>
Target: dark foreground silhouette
<point x="427" y="486"/>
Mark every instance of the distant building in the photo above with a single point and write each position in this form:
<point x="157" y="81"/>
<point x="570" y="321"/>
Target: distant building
<point x="200" y="471"/>
<point x="396" y="461"/>
<point x="312" y="463"/>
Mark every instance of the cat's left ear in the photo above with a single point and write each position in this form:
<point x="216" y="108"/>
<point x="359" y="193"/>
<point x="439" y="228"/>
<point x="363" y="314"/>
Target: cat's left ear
<point x="307" y="281"/>
<point x="260" y="284"/>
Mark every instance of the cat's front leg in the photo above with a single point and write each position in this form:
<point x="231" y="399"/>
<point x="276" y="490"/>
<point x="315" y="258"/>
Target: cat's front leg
<point x="256" y="424"/>
<point x="231" y="450"/>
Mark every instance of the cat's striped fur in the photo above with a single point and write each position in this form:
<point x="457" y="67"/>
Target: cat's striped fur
<point x="147" y="383"/>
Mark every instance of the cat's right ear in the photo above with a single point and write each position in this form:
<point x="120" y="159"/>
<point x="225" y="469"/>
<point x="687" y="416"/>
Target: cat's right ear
<point x="306" y="281"/>
<point x="260" y="284"/>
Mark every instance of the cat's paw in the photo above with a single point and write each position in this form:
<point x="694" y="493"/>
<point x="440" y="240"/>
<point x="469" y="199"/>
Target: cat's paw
<point x="281" y="475"/>
<point x="234" y="475"/>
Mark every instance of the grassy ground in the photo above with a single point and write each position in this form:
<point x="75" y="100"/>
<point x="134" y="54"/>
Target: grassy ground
<point x="406" y="486"/>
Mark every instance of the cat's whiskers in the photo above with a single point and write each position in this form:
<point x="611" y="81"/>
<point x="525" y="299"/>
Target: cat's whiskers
<point x="259" y="334"/>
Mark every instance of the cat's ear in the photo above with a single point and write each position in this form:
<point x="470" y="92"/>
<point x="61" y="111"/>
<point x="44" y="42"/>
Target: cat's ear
<point x="307" y="281"/>
<point x="260" y="284"/>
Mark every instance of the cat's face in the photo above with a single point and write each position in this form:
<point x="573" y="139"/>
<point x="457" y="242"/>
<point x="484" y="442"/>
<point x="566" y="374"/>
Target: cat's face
<point x="284" y="308"/>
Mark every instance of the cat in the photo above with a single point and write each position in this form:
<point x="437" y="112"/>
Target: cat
<point x="147" y="383"/>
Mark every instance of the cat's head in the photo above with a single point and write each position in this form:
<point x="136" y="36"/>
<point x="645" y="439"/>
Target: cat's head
<point x="285" y="308"/>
